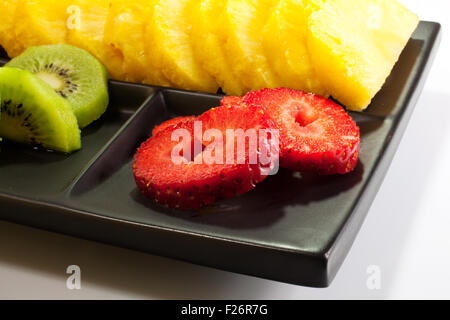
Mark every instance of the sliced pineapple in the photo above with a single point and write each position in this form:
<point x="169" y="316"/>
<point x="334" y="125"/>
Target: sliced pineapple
<point x="7" y="25"/>
<point x="124" y="31"/>
<point x="355" y="44"/>
<point x="340" y="47"/>
<point x="168" y="46"/>
<point x="207" y="44"/>
<point x="37" y="22"/>
<point x="89" y="32"/>
<point x="285" y="45"/>
<point x="242" y="28"/>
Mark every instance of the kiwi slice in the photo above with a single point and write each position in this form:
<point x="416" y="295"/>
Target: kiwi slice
<point x="32" y="112"/>
<point x="74" y="74"/>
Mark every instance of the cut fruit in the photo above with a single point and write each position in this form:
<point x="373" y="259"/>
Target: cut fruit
<point x="285" y="45"/>
<point x="194" y="182"/>
<point x="37" y="22"/>
<point x="168" y="46"/>
<point x="230" y="100"/>
<point x="207" y="40"/>
<point x="355" y="44"/>
<point x="341" y="48"/>
<point x="241" y="28"/>
<point x="124" y="31"/>
<point x="73" y="73"/>
<point x="316" y="134"/>
<point x="8" y="22"/>
<point x="32" y="112"/>
<point x="171" y="123"/>
<point x="89" y="34"/>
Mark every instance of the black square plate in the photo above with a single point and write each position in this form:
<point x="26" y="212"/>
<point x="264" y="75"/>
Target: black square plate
<point x="291" y="228"/>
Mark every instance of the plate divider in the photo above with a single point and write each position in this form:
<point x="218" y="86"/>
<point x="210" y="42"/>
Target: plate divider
<point x="115" y="141"/>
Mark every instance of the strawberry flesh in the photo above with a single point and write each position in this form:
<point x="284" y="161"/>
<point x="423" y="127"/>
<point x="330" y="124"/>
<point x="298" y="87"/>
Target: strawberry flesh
<point x="230" y="100"/>
<point x="191" y="185"/>
<point x="170" y="123"/>
<point x="316" y="134"/>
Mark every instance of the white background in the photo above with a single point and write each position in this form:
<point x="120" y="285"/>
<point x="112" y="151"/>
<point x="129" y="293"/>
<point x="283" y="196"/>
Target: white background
<point x="406" y="233"/>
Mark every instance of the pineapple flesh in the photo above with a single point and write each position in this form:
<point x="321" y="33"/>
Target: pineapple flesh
<point x="207" y="41"/>
<point x="37" y="22"/>
<point x="342" y="48"/>
<point x="7" y="25"/>
<point x="242" y="28"/>
<point x="124" y="32"/>
<point x="88" y="34"/>
<point x="285" y="45"/>
<point x="168" y="46"/>
<point x="355" y="44"/>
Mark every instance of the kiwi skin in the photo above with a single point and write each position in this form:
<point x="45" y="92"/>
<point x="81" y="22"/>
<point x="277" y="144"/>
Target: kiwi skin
<point x="74" y="74"/>
<point x="32" y="112"/>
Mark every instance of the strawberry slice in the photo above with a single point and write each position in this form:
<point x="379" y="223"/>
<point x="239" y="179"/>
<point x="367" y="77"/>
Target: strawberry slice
<point x="171" y="123"/>
<point x="168" y="172"/>
<point x="230" y="100"/>
<point x="316" y="134"/>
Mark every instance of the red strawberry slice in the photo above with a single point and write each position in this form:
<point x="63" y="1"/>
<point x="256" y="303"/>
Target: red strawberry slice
<point x="316" y="134"/>
<point x="230" y="100"/>
<point x="171" y="123"/>
<point x="191" y="181"/>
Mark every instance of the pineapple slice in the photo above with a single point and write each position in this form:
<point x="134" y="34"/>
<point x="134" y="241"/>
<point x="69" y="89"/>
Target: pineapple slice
<point x="207" y="44"/>
<point x="355" y="44"/>
<point x="37" y="22"/>
<point x="242" y="28"/>
<point x="285" y="45"/>
<point x="7" y="17"/>
<point x="89" y="33"/>
<point x="124" y="32"/>
<point x="168" y="46"/>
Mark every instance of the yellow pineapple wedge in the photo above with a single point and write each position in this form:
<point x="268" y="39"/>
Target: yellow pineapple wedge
<point x="37" y="22"/>
<point x="285" y="45"/>
<point x="124" y="32"/>
<point x="87" y="32"/>
<point x="242" y="28"/>
<point x="168" y="46"/>
<point x="7" y="25"/>
<point x="355" y="44"/>
<point x="207" y="44"/>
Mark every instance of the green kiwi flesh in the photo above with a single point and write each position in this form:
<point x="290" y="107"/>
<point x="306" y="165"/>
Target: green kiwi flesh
<point x="32" y="112"/>
<point x="74" y="74"/>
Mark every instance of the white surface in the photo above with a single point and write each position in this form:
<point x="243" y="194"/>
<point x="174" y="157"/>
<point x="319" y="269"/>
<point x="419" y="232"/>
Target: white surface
<point x="406" y="233"/>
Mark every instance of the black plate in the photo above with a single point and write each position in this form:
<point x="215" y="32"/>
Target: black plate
<point x="290" y="228"/>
